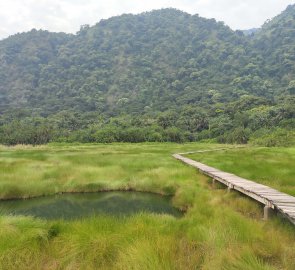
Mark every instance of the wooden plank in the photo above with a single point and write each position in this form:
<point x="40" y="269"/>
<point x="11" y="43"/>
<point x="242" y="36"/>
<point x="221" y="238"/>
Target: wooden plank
<point x="282" y="199"/>
<point x="278" y="197"/>
<point x="282" y="204"/>
<point x="287" y="208"/>
<point x="268" y="192"/>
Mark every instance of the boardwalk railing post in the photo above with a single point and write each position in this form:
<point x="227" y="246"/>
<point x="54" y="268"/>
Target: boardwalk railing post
<point x="266" y="212"/>
<point x="229" y="187"/>
<point x="213" y="182"/>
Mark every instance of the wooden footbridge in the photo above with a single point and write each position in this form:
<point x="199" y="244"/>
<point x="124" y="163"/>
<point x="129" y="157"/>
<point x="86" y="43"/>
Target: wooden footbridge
<point x="271" y="198"/>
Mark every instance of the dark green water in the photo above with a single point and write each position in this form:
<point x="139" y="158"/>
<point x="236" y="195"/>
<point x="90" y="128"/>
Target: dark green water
<point x="75" y="206"/>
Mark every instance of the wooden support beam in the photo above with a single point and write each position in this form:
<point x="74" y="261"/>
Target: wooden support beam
<point x="213" y="182"/>
<point x="266" y="212"/>
<point x="229" y="187"/>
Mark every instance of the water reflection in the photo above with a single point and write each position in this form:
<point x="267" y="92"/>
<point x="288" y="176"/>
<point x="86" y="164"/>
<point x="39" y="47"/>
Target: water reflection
<point x="74" y="206"/>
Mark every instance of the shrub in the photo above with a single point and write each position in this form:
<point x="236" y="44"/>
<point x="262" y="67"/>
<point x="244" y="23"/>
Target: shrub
<point x="277" y="137"/>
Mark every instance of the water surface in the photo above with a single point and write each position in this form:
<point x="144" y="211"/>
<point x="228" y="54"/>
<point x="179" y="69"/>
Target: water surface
<point x="75" y="206"/>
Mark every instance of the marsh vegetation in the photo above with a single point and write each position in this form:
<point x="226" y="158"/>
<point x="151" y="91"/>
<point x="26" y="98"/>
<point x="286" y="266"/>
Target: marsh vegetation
<point x="218" y="231"/>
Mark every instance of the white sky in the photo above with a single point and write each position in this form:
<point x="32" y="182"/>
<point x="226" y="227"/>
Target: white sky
<point x="67" y="15"/>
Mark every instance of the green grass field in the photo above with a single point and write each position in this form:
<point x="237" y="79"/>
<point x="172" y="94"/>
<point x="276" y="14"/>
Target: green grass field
<point x="220" y="230"/>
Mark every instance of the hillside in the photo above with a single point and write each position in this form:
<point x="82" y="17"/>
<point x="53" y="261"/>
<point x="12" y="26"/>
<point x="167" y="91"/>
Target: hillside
<point x="146" y="77"/>
<point x="276" y="44"/>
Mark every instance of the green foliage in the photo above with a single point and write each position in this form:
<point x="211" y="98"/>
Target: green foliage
<point x="147" y="77"/>
<point x="276" y="137"/>
<point x="26" y="132"/>
<point x="239" y="135"/>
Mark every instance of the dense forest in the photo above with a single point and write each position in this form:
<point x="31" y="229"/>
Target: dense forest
<point x="163" y="75"/>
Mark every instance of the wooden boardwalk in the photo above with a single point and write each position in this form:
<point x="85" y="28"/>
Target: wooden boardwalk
<point x="271" y="198"/>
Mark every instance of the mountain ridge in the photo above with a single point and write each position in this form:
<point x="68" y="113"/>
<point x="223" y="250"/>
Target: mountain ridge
<point x="165" y="62"/>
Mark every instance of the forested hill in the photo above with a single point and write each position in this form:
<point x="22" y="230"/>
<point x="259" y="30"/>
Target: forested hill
<point x="276" y="44"/>
<point x="158" y="76"/>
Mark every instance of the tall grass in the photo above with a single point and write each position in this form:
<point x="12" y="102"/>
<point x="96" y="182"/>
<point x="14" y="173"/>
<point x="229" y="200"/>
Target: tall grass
<point x="218" y="231"/>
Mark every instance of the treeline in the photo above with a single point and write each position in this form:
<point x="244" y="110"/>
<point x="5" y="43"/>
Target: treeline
<point x="249" y="119"/>
<point x="21" y="132"/>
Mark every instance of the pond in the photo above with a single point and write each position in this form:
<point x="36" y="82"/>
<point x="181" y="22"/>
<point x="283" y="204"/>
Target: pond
<point x="75" y="206"/>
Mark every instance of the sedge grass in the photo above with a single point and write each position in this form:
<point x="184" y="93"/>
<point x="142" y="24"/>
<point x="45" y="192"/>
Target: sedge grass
<point x="218" y="231"/>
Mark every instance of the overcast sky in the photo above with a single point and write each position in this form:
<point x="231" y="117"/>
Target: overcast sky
<point x="67" y="15"/>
